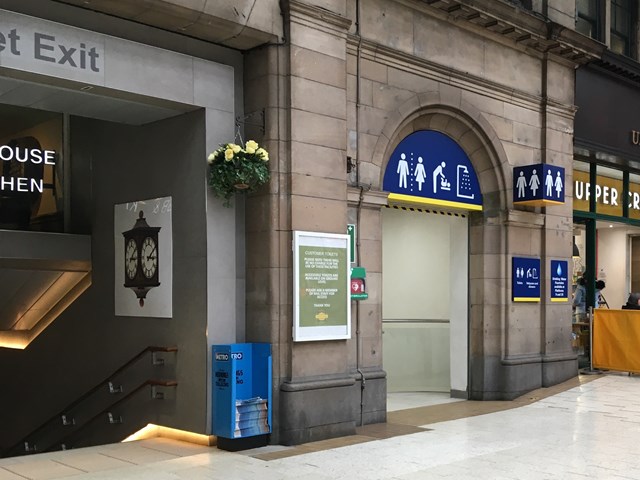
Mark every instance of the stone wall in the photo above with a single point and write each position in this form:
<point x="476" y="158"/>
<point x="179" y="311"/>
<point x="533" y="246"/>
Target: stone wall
<point x="347" y="87"/>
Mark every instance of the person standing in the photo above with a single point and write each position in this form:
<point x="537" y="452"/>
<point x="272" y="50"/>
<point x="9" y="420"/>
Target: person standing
<point x="599" y="287"/>
<point x="580" y="301"/>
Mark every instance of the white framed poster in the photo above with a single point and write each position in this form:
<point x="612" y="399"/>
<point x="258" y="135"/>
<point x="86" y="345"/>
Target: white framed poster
<point x="321" y="300"/>
<point x="143" y="258"/>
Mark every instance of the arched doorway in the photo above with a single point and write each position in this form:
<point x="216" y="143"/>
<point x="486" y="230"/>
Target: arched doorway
<point x="432" y="186"/>
<point x="425" y="307"/>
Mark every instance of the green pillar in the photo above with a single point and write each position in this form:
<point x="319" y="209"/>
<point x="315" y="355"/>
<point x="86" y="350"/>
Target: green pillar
<point x="590" y="276"/>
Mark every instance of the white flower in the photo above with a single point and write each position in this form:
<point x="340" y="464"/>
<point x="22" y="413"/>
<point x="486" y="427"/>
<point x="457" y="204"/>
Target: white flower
<point x="263" y="153"/>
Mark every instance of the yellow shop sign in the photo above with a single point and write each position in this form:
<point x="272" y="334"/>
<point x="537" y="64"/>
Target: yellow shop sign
<point x="608" y="193"/>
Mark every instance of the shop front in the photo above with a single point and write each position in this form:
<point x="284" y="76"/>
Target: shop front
<point x="606" y="184"/>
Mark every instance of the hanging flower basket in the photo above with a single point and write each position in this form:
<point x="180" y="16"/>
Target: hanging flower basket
<point x="236" y="169"/>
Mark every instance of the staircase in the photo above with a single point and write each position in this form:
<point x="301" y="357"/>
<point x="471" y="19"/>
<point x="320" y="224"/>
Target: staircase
<point x="124" y="402"/>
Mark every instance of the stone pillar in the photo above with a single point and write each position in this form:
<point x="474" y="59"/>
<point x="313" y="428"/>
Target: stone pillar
<point x="559" y="362"/>
<point x="301" y="85"/>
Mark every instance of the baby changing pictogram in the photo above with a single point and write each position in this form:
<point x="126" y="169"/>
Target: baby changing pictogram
<point x="429" y="167"/>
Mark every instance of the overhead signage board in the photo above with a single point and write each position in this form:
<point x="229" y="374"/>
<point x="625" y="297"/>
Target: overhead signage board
<point x="559" y="281"/>
<point x="538" y="185"/>
<point x="50" y="48"/>
<point x="428" y="167"/>
<point x="608" y="192"/>
<point x="525" y="279"/>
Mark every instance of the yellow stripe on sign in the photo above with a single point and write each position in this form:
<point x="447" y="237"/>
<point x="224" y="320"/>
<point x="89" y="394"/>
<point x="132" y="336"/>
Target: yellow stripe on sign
<point x="399" y="197"/>
<point x="537" y="202"/>
<point x="559" y="299"/>
<point x="526" y="299"/>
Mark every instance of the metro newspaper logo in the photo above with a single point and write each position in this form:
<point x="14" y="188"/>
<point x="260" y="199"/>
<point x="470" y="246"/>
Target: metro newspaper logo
<point x="224" y="357"/>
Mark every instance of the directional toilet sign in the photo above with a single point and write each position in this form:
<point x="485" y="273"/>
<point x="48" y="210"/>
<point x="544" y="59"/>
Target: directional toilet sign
<point x="525" y="279"/>
<point x="428" y="167"/>
<point x="538" y="185"/>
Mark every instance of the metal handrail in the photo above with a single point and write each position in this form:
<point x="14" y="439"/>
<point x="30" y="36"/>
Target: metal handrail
<point x="88" y="393"/>
<point x="107" y="410"/>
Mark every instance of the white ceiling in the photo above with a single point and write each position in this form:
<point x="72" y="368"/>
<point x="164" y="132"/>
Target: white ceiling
<point x="86" y="103"/>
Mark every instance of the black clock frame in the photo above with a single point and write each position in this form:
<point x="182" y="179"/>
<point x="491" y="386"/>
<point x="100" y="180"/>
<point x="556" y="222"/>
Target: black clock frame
<point x="141" y="283"/>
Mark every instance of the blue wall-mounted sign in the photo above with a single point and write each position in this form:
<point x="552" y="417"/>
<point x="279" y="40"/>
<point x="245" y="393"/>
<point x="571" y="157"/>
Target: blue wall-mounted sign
<point x="429" y="167"/>
<point x="525" y="279"/>
<point x="559" y="281"/>
<point x="539" y="185"/>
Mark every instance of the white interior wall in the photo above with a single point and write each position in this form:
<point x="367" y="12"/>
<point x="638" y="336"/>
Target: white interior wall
<point x="612" y="264"/>
<point x="459" y="303"/>
<point x="415" y="254"/>
<point x="425" y="278"/>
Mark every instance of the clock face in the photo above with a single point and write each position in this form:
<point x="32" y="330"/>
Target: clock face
<point x="149" y="257"/>
<point x="131" y="259"/>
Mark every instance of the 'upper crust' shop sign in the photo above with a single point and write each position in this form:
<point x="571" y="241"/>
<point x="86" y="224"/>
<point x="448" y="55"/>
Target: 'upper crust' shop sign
<point x="608" y="192"/>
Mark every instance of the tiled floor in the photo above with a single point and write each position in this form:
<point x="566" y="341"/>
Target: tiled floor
<point x="580" y="430"/>
<point x="405" y="400"/>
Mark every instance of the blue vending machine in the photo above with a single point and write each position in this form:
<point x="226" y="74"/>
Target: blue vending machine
<point x="241" y="395"/>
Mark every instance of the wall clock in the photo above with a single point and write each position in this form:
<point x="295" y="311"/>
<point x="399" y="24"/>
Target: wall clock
<point x="141" y="258"/>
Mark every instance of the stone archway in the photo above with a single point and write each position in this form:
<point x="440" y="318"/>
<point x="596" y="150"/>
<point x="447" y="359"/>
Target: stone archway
<point x="466" y="125"/>
<point x="488" y="255"/>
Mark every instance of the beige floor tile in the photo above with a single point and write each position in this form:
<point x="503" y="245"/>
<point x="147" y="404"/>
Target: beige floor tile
<point x="197" y="473"/>
<point x="175" y="447"/>
<point x="91" y="461"/>
<point x="7" y="475"/>
<point x="137" y="454"/>
<point x="564" y="425"/>
<point x="42" y="470"/>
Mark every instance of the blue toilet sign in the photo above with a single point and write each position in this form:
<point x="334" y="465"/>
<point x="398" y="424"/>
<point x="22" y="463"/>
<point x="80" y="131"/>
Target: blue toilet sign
<point x="525" y="279"/>
<point x="429" y="167"/>
<point x="538" y="185"/>
<point x="559" y="280"/>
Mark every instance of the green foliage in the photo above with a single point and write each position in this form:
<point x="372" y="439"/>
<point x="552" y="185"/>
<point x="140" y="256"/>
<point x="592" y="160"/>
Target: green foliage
<point x="234" y="169"/>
